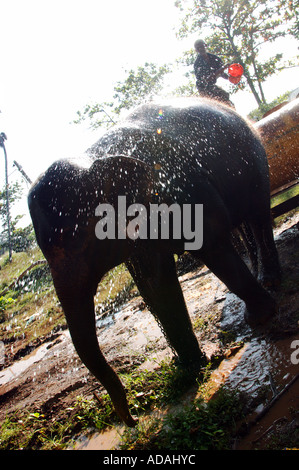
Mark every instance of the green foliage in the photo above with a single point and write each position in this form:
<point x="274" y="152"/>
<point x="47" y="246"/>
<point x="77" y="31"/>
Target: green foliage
<point x="140" y="84"/>
<point x="34" y="430"/>
<point x="202" y="426"/>
<point x="295" y="30"/>
<point x="37" y="279"/>
<point x="164" y="385"/>
<point x="198" y="425"/>
<point x="258" y="113"/>
<point x="4" y="302"/>
<point x="21" y="238"/>
<point x="240" y="30"/>
<point x="15" y="192"/>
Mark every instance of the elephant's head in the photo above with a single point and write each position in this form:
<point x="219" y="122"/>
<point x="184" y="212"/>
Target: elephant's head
<point x="63" y="205"/>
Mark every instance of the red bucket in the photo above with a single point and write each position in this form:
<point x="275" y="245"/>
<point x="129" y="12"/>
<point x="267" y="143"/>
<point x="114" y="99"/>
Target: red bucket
<point x="235" y="70"/>
<point x="234" y="80"/>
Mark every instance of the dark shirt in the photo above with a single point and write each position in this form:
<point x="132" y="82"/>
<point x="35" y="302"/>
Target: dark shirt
<point x="204" y="67"/>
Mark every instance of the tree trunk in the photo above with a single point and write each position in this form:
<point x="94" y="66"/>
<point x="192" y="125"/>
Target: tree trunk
<point x="246" y="72"/>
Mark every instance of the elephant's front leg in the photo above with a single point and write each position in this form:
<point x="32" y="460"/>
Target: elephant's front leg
<point x="77" y="301"/>
<point x="156" y="278"/>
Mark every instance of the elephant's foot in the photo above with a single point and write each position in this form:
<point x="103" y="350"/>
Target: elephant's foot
<point x="270" y="281"/>
<point x="260" y="311"/>
<point x="120" y="403"/>
<point x="270" y="273"/>
<point x="128" y="419"/>
<point x="191" y="366"/>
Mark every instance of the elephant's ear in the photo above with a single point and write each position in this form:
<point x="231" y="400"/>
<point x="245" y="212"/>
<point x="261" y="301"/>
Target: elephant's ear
<point x="123" y="176"/>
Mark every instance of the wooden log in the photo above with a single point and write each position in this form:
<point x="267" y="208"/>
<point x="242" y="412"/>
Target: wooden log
<point x="280" y="135"/>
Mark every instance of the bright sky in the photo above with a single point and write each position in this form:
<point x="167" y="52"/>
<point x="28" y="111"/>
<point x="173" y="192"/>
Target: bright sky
<point x="57" y="56"/>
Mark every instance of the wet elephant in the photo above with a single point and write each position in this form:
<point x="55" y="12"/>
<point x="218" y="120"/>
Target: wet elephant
<point x="188" y="154"/>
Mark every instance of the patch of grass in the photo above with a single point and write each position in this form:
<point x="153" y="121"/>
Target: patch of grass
<point x="146" y="391"/>
<point x="198" y="425"/>
<point x="30" y="316"/>
<point x="31" y="309"/>
<point x="204" y="322"/>
<point x="20" y="261"/>
<point x="150" y="389"/>
<point x="116" y="286"/>
<point x="282" y="197"/>
<point x="4" y="302"/>
<point x="37" y="430"/>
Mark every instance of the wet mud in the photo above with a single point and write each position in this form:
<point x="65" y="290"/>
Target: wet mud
<point x="261" y="363"/>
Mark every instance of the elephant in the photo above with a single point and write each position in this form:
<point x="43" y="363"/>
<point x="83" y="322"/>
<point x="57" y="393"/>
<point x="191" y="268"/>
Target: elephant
<point x="191" y="153"/>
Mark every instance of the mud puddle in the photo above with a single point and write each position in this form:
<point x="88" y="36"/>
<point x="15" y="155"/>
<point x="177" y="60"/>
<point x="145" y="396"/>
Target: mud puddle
<point x="259" y="368"/>
<point x="38" y="354"/>
<point x="27" y="382"/>
<point x="12" y="372"/>
<point x="107" y="440"/>
<point x="255" y="365"/>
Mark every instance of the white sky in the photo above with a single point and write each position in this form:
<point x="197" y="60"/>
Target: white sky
<point x="56" y="56"/>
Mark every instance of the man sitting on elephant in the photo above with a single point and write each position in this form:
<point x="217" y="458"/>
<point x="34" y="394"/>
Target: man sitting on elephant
<point x="208" y="68"/>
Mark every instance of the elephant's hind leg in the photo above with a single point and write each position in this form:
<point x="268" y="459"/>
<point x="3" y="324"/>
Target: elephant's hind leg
<point x="227" y="265"/>
<point x="260" y="222"/>
<point x="269" y="269"/>
<point x="156" y="278"/>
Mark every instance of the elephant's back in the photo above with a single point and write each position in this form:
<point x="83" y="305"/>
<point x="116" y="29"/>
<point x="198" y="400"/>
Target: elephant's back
<point x="184" y="122"/>
<point x="200" y="130"/>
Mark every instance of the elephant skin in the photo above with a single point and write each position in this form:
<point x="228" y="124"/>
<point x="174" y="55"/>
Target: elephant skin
<point x="192" y="152"/>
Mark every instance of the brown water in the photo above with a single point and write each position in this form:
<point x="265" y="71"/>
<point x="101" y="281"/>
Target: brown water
<point x="258" y="363"/>
<point x="101" y="441"/>
<point x="17" y="368"/>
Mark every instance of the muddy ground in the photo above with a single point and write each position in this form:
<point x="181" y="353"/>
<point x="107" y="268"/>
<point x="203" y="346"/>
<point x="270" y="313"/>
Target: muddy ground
<point x="51" y="376"/>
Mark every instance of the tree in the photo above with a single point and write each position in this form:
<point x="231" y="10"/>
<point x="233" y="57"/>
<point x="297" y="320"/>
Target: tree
<point x="238" y="30"/>
<point x="21" y="238"/>
<point x="258" y="113"/>
<point x="295" y="29"/>
<point x="140" y="84"/>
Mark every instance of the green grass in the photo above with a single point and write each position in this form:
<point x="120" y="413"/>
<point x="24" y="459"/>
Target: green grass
<point x="195" y="425"/>
<point x="282" y="197"/>
<point x="30" y="309"/>
<point x="36" y="430"/>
